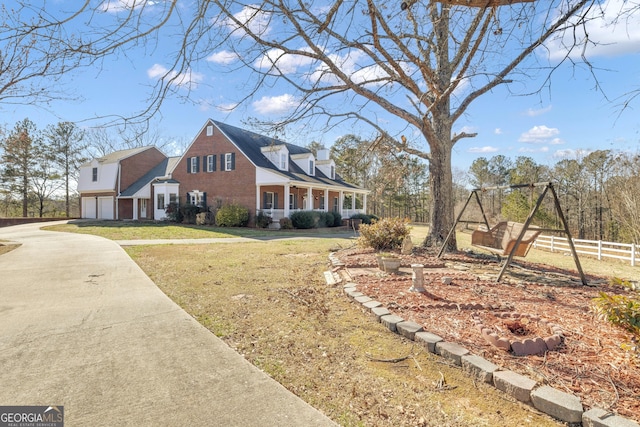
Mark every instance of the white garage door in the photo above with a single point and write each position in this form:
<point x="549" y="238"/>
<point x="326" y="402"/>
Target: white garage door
<point x="89" y="207"/>
<point x="105" y="206"/>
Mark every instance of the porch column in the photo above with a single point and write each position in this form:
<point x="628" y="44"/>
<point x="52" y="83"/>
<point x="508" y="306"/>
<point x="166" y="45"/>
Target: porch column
<point x="257" y="198"/>
<point x="326" y="200"/>
<point x="135" y="208"/>
<point x="286" y="200"/>
<point x="364" y="203"/>
<point x="310" y="198"/>
<point x="353" y="202"/>
<point x="341" y="203"/>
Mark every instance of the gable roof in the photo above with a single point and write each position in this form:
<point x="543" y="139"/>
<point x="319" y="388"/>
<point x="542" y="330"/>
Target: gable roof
<point x="160" y="171"/>
<point x="250" y="144"/>
<point x="119" y="155"/>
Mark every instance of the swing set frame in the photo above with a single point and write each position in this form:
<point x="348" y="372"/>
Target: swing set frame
<point x="548" y="188"/>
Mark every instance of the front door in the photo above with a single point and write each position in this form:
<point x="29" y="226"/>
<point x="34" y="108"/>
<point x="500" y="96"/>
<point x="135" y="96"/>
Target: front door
<point x="143" y="208"/>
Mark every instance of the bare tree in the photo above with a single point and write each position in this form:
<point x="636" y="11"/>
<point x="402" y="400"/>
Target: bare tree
<point x="417" y="63"/>
<point x="423" y="63"/>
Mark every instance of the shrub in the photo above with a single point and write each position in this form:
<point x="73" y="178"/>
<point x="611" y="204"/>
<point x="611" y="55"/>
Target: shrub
<point x="366" y="219"/>
<point x="285" y="224"/>
<point x="622" y="311"/>
<point x="384" y="234"/>
<point x="337" y="219"/>
<point x="188" y="213"/>
<point x="262" y="220"/>
<point x="303" y="219"/>
<point x="232" y="215"/>
<point x="173" y="212"/>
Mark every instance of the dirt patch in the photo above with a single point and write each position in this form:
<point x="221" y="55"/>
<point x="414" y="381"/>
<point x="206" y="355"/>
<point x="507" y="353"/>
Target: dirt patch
<point x="586" y="360"/>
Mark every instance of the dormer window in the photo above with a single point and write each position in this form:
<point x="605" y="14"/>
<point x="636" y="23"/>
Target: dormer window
<point x="312" y="167"/>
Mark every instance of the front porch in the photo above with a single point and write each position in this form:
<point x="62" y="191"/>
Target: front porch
<point x="280" y="201"/>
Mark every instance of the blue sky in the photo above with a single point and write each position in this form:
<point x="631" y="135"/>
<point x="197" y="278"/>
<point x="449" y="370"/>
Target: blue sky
<point x="562" y="121"/>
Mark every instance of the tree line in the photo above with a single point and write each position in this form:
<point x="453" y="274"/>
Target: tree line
<point x="39" y="167"/>
<point x="599" y="192"/>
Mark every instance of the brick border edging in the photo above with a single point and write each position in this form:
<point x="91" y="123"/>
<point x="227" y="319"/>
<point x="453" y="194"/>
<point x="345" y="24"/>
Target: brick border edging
<point x="558" y="404"/>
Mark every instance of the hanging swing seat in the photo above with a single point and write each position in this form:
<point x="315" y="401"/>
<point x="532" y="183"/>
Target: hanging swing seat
<point x="501" y="238"/>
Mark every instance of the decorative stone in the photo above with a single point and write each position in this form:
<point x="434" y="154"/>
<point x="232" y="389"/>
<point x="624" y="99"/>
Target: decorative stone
<point x="391" y="265"/>
<point x="451" y="351"/>
<point x="379" y="312"/>
<point x="563" y="406"/>
<point x="390" y="321"/>
<point x="407" y="246"/>
<point x="371" y="304"/>
<point x="417" y="278"/>
<point x="408" y="329"/>
<point x="514" y="384"/>
<point x="430" y="340"/>
<point x="479" y="367"/>
<point x="446" y="280"/>
<point x="597" y="417"/>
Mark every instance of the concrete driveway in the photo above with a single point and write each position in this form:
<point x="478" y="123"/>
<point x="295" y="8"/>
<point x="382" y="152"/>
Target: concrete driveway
<point x="83" y="327"/>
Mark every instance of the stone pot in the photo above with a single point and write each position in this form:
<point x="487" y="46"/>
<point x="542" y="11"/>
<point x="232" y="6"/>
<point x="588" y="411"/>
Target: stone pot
<point x="391" y="265"/>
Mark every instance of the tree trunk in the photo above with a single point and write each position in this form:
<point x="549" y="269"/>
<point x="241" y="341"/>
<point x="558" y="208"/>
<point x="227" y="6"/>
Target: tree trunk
<point x="442" y="205"/>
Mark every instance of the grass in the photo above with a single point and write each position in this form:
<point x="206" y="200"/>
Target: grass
<point x="130" y="230"/>
<point x="269" y="302"/>
<point x="564" y="260"/>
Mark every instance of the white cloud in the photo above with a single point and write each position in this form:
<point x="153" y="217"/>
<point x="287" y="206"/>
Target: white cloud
<point x="497" y="131"/>
<point x="223" y="57"/>
<point x="570" y="153"/>
<point x="534" y="113"/>
<point x="275" y="104"/>
<point x="613" y="29"/>
<point x="251" y="17"/>
<point x="351" y="64"/>
<point x="540" y="135"/>
<point x="544" y="149"/>
<point x="485" y="149"/>
<point x="188" y="79"/>
<point x="286" y="63"/>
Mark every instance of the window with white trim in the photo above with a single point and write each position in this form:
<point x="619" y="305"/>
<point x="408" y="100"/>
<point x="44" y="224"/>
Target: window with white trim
<point x="228" y="162"/>
<point x="283" y="161"/>
<point x="211" y="163"/>
<point x="312" y="167"/>
<point x="209" y="130"/>
<point x="194" y="165"/>
<point x="94" y="174"/>
<point x="160" y="201"/>
<point x="321" y="202"/>
<point x="268" y="200"/>
<point x="333" y="172"/>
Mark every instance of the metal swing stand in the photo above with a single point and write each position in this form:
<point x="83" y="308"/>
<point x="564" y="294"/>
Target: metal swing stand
<point x="548" y="186"/>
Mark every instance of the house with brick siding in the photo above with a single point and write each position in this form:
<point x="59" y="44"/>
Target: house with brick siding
<point x="112" y="186"/>
<point x="225" y="164"/>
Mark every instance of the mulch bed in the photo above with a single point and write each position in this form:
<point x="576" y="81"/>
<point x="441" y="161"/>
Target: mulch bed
<point x="531" y="301"/>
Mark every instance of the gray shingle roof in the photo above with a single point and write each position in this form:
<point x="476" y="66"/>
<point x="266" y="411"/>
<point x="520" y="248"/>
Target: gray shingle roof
<point x="250" y="144"/>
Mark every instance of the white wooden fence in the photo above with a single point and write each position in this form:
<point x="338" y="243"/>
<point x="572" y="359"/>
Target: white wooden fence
<point x="595" y="248"/>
